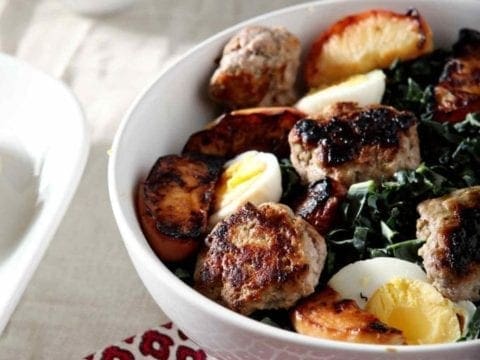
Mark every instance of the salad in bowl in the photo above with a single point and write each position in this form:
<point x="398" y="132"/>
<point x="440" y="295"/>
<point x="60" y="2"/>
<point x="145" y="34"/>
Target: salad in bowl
<point x="336" y="194"/>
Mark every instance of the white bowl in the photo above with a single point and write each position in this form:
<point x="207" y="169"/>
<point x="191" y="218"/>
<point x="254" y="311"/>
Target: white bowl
<point x="160" y="121"/>
<point x="43" y="151"/>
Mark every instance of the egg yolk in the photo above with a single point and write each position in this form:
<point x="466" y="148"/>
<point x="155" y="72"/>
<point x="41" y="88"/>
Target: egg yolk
<point x="417" y="309"/>
<point x="239" y="174"/>
<point x="352" y="80"/>
<point x="355" y="79"/>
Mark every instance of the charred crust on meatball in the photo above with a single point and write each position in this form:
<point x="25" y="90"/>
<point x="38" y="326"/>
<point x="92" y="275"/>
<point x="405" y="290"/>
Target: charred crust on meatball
<point x="342" y="137"/>
<point x="260" y="258"/>
<point x="350" y="144"/>
<point x="463" y="241"/>
<point x="450" y="225"/>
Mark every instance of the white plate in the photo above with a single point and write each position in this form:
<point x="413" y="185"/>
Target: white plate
<point x="43" y="151"/>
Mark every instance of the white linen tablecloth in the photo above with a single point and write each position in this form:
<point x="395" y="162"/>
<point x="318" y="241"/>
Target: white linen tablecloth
<point x="85" y="293"/>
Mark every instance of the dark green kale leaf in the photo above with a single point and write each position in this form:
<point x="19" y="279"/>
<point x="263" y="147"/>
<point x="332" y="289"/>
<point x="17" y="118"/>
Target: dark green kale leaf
<point x="473" y="331"/>
<point x="452" y="150"/>
<point x="290" y="180"/>
<point x="278" y="318"/>
<point x="406" y="250"/>
<point x="410" y="84"/>
<point x="183" y="270"/>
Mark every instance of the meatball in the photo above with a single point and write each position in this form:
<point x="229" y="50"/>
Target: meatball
<point x="261" y="257"/>
<point x="318" y="204"/>
<point x="355" y="145"/>
<point x="258" y="68"/>
<point x="451" y="255"/>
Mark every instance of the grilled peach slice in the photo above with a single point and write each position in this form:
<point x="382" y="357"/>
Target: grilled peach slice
<point x="174" y="201"/>
<point x="458" y="91"/>
<point x="262" y="129"/>
<point x="319" y="203"/>
<point x="325" y="315"/>
<point x="365" y="41"/>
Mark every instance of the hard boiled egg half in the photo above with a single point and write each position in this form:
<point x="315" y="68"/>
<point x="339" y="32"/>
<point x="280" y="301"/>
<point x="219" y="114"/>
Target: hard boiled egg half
<point x="398" y="294"/>
<point x="253" y="177"/>
<point x="365" y="89"/>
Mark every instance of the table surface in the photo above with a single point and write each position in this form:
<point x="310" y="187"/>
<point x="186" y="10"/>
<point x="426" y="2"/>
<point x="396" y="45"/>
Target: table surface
<point x="85" y="293"/>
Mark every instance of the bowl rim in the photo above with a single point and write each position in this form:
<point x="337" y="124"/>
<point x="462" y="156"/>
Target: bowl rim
<point x="140" y="247"/>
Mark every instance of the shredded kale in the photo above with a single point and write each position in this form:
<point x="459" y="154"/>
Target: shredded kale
<point x="407" y="250"/>
<point x="380" y="219"/>
<point x="184" y="271"/>
<point x="278" y="318"/>
<point x="290" y="180"/>
<point x="453" y="150"/>
<point x="410" y="84"/>
<point x="473" y="330"/>
<point x="183" y="274"/>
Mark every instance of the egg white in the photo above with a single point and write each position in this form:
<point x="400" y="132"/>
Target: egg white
<point x="262" y="188"/>
<point x="359" y="280"/>
<point x="365" y="89"/>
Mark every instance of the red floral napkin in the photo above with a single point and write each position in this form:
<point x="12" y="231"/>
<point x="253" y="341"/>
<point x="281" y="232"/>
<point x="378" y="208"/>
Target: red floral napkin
<point x="166" y="342"/>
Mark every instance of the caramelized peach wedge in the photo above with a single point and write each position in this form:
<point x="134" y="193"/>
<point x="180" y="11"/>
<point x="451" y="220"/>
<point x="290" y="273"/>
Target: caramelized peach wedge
<point x="262" y="129"/>
<point x="326" y="315"/>
<point x="174" y="201"/>
<point x="458" y="91"/>
<point x="363" y="42"/>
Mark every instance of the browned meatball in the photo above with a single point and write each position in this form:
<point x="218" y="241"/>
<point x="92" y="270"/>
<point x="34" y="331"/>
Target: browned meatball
<point x="260" y="258"/>
<point x="451" y="255"/>
<point x="258" y="68"/>
<point x="356" y="145"/>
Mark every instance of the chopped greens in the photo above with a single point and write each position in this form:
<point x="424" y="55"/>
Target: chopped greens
<point x="406" y="250"/>
<point x="290" y="179"/>
<point x="453" y="150"/>
<point x="410" y="84"/>
<point x="278" y="318"/>
<point x="184" y="271"/>
<point x="473" y="330"/>
<point x="183" y="274"/>
<point x="380" y="219"/>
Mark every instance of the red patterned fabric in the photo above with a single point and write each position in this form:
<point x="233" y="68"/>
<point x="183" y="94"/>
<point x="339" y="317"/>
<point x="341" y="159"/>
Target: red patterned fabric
<point x="165" y="342"/>
<point x="156" y="344"/>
